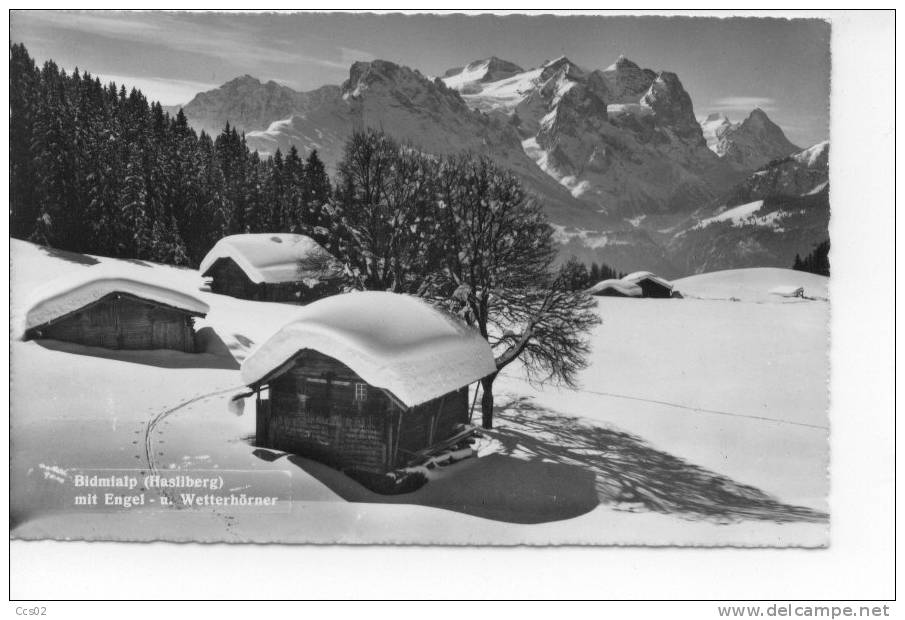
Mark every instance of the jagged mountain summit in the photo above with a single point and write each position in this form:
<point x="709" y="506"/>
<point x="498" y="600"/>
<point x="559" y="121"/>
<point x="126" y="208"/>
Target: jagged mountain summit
<point x="623" y="140"/>
<point x="616" y="154"/>
<point x="749" y="144"/>
<point x="249" y="104"/>
<point x="471" y="76"/>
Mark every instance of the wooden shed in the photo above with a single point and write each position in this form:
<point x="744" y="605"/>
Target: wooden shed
<point x="102" y="310"/>
<point x="271" y="267"/>
<point x="615" y="288"/>
<point x="367" y="381"/>
<point x="650" y="284"/>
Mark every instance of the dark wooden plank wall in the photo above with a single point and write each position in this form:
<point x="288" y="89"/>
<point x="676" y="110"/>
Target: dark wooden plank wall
<point x="227" y="278"/>
<point x="431" y="422"/>
<point x="124" y="322"/>
<point x="650" y="288"/>
<point x="313" y="411"/>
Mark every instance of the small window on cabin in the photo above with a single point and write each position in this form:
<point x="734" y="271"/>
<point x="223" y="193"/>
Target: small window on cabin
<point x="302" y="400"/>
<point x="361" y="392"/>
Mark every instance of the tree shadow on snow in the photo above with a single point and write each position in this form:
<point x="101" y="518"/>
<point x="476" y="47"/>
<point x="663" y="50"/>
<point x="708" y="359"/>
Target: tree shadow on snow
<point x="495" y="487"/>
<point x="632" y="475"/>
<point x="72" y="257"/>
<point x="211" y="355"/>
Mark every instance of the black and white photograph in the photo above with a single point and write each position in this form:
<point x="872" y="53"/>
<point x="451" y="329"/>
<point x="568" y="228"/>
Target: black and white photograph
<point x="424" y="279"/>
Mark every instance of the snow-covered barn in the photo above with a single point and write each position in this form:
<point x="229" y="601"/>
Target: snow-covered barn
<point x="790" y="290"/>
<point x="366" y="380"/>
<point x="615" y="288"/>
<point x="637" y="284"/>
<point x="271" y="267"/>
<point x="650" y="284"/>
<point x="103" y="308"/>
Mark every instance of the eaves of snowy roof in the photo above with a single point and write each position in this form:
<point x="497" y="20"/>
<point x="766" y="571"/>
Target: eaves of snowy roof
<point x="395" y="342"/>
<point x="628" y="289"/>
<point x="66" y="295"/>
<point x="638" y="276"/>
<point x="791" y="290"/>
<point x="273" y="258"/>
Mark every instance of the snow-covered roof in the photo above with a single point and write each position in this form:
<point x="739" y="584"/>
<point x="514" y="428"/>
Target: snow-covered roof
<point x="629" y="289"/>
<point x="790" y="290"/>
<point x="395" y="342"/>
<point x="65" y="295"/>
<point x="274" y="257"/>
<point x="637" y="276"/>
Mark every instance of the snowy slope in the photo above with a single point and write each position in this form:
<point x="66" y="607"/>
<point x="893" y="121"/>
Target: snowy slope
<point x="736" y="215"/>
<point x="696" y="425"/>
<point x="751" y="284"/>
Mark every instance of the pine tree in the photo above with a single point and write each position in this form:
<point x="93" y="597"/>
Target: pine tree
<point x="316" y="193"/>
<point x="575" y="275"/>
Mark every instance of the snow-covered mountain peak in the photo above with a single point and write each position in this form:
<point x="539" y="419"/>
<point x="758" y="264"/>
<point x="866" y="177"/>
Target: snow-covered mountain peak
<point x="816" y="156"/>
<point x="759" y="119"/>
<point x="627" y="81"/>
<point x="472" y="75"/>
<point x="749" y="144"/>
<point x="556" y="62"/>
<point x="622" y="64"/>
<point x="672" y="104"/>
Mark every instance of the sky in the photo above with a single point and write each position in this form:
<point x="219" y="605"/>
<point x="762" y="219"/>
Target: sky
<point x="727" y="65"/>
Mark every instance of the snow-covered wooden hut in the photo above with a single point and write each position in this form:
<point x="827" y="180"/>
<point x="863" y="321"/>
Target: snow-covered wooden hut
<point x="271" y="267"/>
<point x="650" y="284"/>
<point x="615" y="288"/>
<point x="366" y="380"/>
<point x="790" y="290"/>
<point x="102" y="308"/>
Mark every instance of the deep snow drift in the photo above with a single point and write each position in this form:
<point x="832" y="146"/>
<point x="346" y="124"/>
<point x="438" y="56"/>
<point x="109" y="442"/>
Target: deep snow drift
<point x="752" y="284"/>
<point x="697" y="422"/>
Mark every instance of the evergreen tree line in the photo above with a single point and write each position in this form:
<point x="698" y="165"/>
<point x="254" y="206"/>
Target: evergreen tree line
<point x="96" y="169"/>
<point x="580" y="276"/>
<point x="818" y="261"/>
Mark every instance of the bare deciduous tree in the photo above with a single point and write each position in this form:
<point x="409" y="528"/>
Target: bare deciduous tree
<point x="497" y="273"/>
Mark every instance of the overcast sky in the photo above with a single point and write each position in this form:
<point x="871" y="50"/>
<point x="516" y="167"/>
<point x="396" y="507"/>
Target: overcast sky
<point x="726" y="65"/>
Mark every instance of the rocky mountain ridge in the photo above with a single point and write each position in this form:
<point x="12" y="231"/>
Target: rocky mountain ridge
<point x="617" y="154"/>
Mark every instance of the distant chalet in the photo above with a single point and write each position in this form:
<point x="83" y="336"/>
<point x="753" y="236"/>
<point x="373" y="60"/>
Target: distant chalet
<point x="103" y="309"/>
<point x="368" y="381"/>
<point x="637" y="284"/>
<point x="271" y="267"/>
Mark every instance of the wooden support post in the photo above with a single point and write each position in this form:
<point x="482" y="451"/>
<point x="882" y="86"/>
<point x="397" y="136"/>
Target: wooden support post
<point x="434" y="418"/>
<point x="398" y="437"/>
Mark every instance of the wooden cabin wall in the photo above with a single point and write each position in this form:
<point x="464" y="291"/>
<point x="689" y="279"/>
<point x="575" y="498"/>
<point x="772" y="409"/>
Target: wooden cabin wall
<point x="652" y="289"/>
<point x="431" y="422"/>
<point x="227" y="278"/>
<point x="124" y="322"/>
<point x="313" y="411"/>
